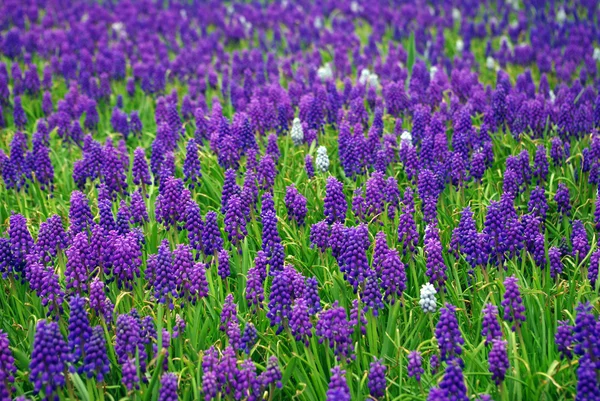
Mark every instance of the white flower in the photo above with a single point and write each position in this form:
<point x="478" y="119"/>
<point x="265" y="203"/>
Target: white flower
<point x="596" y="55"/>
<point x="432" y="71"/>
<point x="318" y="24"/>
<point x="505" y="39"/>
<point x="354" y="7"/>
<point x="490" y="63"/>
<point x="373" y="80"/>
<point x="85" y="17"/>
<point x="325" y="73"/>
<point x="427" y="301"/>
<point x="183" y="14"/>
<point x="296" y="133"/>
<point x="456" y="14"/>
<point x="364" y="75"/>
<point x="406" y="137"/>
<point x="460" y="45"/>
<point x="119" y="29"/>
<point x="552" y="96"/>
<point x="561" y="16"/>
<point x="322" y="160"/>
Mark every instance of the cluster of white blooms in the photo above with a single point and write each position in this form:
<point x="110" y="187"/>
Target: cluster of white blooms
<point x="325" y="73"/>
<point x="460" y="45"/>
<point x="318" y="22"/>
<point x="406" y="137"/>
<point x="596" y="54"/>
<point x="561" y="16"/>
<point x="367" y="77"/>
<point x="456" y="14"/>
<point x="119" y="29"/>
<point x="427" y="301"/>
<point x="296" y="133"/>
<point x="432" y="71"/>
<point x="322" y="160"/>
<point x="490" y="63"/>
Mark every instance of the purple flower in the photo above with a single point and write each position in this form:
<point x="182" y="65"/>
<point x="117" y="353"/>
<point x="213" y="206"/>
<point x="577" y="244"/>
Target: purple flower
<point x="295" y="203"/>
<point x="588" y="387"/>
<point x="49" y="359"/>
<point x="125" y="257"/>
<point x="584" y="332"/>
<point x="309" y="167"/>
<point x="540" y="164"/>
<point x="334" y="327"/>
<point x="51" y="238"/>
<point x="538" y="204"/>
<point x="266" y="172"/>
<point x="579" y="241"/>
<point x="224" y="269"/>
<point x="436" y="267"/>
<point x="235" y="221"/>
<point x="353" y="262"/>
<point x="300" y="324"/>
<point x="165" y="280"/>
<point x="453" y="382"/>
<point x="80" y="330"/>
<point x="407" y="229"/>
<point x="498" y="360"/>
<point x="311" y="295"/>
<point x="19" y="116"/>
<point x="7" y="368"/>
<point x="228" y="313"/>
<point x="490" y="327"/>
<point x="281" y="297"/>
<point x="140" y="172"/>
<point x="448" y="335"/>
<point x="393" y="276"/>
<point x="139" y="214"/>
<point x="563" y="200"/>
<point x="335" y="205"/>
<point x="194" y="226"/>
<point x="129" y="374"/>
<point x="338" y="389"/>
<point x="319" y="236"/>
<point x="272" y="374"/>
<point x="171" y="203"/>
<point x="564" y="339"/>
<point x="211" y="235"/>
<point x="415" y="365"/>
<point x="168" y="387"/>
<point x="95" y="361"/>
<point x="377" y="382"/>
<point x="249" y="338"/>
<point x="513" y="303"/>
<point x="99" y="302"/>
<point x="21" y="241"/>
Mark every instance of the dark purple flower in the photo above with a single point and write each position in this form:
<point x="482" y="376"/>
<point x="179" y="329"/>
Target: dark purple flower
<point x="171" y="203"/>
<point x="139" y="214"/>
<point x="194" y="226"/>
<point x="563" y="200"/>
<point x="140" y="172"/>
<point x="513" y="303"/>
<point x="49" y="359"/>
<point x="556" y="264"/>
<point x="228" y="313"/>
<point x="579" y="240"/>
<point x="165" y="280"/>
<point x="266" y="172"/>
<point x="309" y="167"/>
<point x="588" y="387"/>
<point x="211" y="235"/>
<point x="168" y="387"/>
<point x="564" y="339"/>
<point x="281" y="297"/>
<point x="490" y="327"/>
<point x="191" y="165"/>
<point x="224" y="269"/>
<point x="333" y="326"/>
<point x="338" y="387"/>
<point x="540" y="164"/>
<point x="249" y="338"/>
<point x="300" y="324"/>
<point x="295" y="203"/>
<point x="353" y="261"/>
<point x="335" y="205"/>
<point x="129" y="374"/>
<point x="80" y="331"/>
<point x="448" y="335"/>
<point x="7" y="368"/>
<point x="319" y="236"/>
<point x="377" y="382"/>
<point x="436" y="267"/>
<point x="19" y="116"/>
<point x="415" y="365"/>
<point x="453" y="382"/>
<point x="272" y="374"/>
<point x="498" y="360"/>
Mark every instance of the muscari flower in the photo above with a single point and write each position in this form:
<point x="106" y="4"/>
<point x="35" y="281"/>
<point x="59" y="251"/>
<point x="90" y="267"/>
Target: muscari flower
<point x="448" y="335"/>
<point x="49" y="359"/>
<point x="338" y="389"/>
<point x="377" y="382"/>
<point x="513" y="303"/>
<point x="415" y="365"/>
